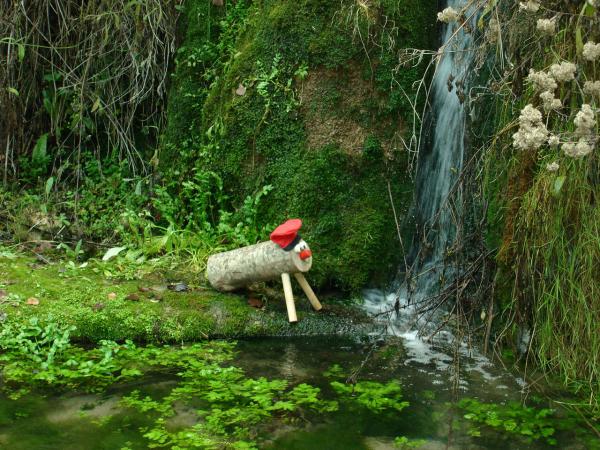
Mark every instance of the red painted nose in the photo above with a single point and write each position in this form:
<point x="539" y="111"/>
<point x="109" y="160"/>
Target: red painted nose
<point x="305" y="254"/>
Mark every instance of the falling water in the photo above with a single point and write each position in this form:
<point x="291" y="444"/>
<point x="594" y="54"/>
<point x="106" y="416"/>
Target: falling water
<point x="440" y="161"/>
<point x="436" y="203"/>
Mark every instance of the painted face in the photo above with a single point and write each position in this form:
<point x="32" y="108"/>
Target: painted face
<point x="300" y="246"/>
<point x="302" y="249"/>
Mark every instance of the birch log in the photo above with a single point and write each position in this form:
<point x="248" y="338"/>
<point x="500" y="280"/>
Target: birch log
<point x="261" y="262"/>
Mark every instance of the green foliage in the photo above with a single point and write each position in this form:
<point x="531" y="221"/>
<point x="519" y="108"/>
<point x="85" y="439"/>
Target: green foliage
<point x="405" y="443"/>
<point x="335" y="371"/>
<point x="41" y="354"/>
<point x="230" y="406"/>
<point x="37" y="165"/>
<point x="529" y="423"/>
<point x="375" y="396"/>
<point x="107" y="192"/>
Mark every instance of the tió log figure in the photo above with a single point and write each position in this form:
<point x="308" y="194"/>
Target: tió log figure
<point x="286" y="253"/>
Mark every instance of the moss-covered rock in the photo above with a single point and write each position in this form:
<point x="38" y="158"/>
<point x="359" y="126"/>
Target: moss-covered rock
<point x="308" y="97"/>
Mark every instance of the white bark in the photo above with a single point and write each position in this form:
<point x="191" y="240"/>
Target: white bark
<point x="261" y="262"/>
<point x="289" y="297"/>
<point x="312" y="298"/>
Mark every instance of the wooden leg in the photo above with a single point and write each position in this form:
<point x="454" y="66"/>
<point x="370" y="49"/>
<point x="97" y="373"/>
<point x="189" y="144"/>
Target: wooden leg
<point x="312" y="298"/>
<point x="289" y="297"/>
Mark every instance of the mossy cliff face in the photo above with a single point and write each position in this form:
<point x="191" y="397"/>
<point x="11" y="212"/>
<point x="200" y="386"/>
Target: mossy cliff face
<point x="309" y="98"/>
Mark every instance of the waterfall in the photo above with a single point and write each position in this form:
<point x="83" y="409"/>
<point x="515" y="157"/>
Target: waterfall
<point x="441" y="159"/>
<point x="436" y="201"/>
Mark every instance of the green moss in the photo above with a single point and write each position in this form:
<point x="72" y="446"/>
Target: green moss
<point x="81" y="298"/>
<point x="188" y="90"/>
<point x="280" y="131"/>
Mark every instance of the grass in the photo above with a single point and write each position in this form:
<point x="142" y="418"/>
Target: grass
<point x="560" y="247"/>
<point x="544" y="225"/>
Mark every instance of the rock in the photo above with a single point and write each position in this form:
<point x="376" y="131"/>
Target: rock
<point x="133" y="297"/>
<point x="32" y="301"/>
<point x="111" y="296"/>
<point x="178" y="287"/>
<point x="69" y="409"/>
<point x="3" y="293"/>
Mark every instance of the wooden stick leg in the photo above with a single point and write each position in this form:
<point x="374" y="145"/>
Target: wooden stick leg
<point x="289" y="297"/>
<point x="312" y="298"/>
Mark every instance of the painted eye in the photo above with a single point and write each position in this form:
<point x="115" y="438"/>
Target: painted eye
<point x="300" y="246"/>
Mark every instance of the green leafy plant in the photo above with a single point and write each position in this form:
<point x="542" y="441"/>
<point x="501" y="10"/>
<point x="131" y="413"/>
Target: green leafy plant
<point x="230" y="406"/>
<point x="375" y="396"/>
<point x="404" y="443"/>
<point x="529" y="423"/>
<point x="72" y="253"/>
<point x="335" y="371"/>
<point x="41" y="354"/>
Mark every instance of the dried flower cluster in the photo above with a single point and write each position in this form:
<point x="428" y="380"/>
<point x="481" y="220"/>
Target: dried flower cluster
<point x="585" y="122"/>
<point x="550" y="102"/>
<point x="565" y="71"/>
<point x="552" y="167"/>
<point x="592" y="88"/>
<point x="553" y="140"/>
<point x="532" y="132"/>
<point x="448" y="15"/>
<point x="591" y="51"/>
<point x="530" y="6"/>
<point x="542" y="81"/>
<point x="577" y="149"/>
<point x="546" y="26"/>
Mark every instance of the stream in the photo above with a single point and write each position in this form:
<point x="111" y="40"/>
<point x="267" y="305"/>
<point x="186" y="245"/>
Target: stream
<point x="74" y="422"/>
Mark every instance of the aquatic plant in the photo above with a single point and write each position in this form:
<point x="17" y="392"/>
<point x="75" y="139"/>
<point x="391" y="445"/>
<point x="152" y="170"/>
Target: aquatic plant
<point x="403" y="443"/>
<point x="529" y="423"/>
<point x="375" y="396"/>
<point x="41" y="355"/>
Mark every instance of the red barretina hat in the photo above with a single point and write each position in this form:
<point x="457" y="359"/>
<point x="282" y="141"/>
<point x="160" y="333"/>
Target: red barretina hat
<point x="286" y="235"/>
